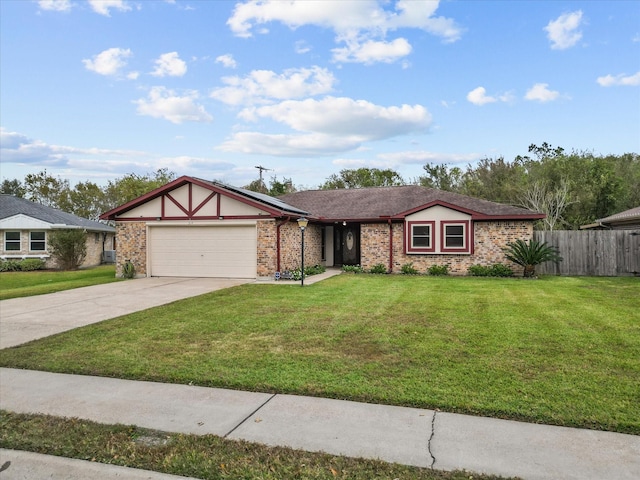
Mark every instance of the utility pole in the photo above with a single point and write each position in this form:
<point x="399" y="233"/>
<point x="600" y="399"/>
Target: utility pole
<point x="262" y="169"/>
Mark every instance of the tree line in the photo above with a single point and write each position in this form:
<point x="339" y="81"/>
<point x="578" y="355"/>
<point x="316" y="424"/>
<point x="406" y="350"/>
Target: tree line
<point x="572" y="189"/>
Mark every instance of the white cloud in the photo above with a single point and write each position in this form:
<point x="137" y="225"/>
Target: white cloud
<point x="301" y="46"/>
<point x="362" y="24"/>
<point x="541" y="93"/>
<point x="55" y="5"/>
<point x="563" y="32"/>
<point x="169" y="64"/>
<point x="103" y="6"/>
<point x="108" y="62"/>
<point x="227" y="61"/>
<point x="620" y="80"/>
<point x="328" y="126"/>
<point x="421" y="157"/>
<point x="164" y="103"/>
<point x="287" y="145"/>
<point x="478" y="96"/>
<point x="262" y="86"/>
<point x="371" y="51"/>
<point x="345" y="117"/>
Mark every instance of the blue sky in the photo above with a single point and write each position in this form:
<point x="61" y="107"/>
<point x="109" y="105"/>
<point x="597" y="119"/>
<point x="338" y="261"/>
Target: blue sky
<point x="93" y="90"/>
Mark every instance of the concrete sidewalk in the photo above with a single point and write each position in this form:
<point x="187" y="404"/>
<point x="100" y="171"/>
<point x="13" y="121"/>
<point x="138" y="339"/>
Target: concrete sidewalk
<point x="410" y="436"/>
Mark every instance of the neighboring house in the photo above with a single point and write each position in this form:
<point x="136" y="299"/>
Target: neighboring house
<point x="25" y="227"/>
<point x="627" y="220"/>
<point x="194" y="227"/>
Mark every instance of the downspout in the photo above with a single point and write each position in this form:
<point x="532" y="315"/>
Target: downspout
<point x="390" y="246"/>
<point x="278" y="225"/>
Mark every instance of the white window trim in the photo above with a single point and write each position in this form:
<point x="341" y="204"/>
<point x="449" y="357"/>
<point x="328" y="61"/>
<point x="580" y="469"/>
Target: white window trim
<point x="7" y="242"/>
<point x="32" y="241"/>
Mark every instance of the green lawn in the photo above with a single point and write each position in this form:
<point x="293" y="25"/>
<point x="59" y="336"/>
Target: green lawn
<point x="555" y="350"/>
<point x="199" y="456"/>
<point x="26" y="284"/>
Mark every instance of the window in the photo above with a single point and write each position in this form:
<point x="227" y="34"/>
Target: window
<point x="421" y="239"/>
<point x="12" y="241"/>
<point x="455" y="236"/>
<point x="37" y="242"/>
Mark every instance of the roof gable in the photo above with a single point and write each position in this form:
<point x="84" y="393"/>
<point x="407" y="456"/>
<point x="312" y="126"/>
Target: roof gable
<point x="19" y="209"/>
<point x="183" y="198"/>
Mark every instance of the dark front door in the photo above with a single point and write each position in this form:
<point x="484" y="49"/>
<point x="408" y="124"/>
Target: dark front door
<point x="347" y="244"/>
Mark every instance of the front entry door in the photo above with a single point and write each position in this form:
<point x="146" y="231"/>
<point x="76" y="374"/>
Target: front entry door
<point x="347" y="244"/>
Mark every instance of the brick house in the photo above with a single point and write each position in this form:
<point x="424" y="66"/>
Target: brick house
<point x="25" y="228"/>
<point x="193" y="227"/>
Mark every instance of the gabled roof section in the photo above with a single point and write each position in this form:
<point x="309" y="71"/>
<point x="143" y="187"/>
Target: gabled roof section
<point x="11" y="206"/>
<point x="633" y="214"/>
<point x="272" y="205"/>
<point x="361" y="204"/>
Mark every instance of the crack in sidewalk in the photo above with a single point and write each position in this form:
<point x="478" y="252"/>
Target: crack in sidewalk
<point x="433" y="432"/>
<point x="249" y="416"/>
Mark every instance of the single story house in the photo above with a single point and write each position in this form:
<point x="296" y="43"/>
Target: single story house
<point x="25" y="226"/>
<point x="200" y="228"/>
<point x="627" y="220"/>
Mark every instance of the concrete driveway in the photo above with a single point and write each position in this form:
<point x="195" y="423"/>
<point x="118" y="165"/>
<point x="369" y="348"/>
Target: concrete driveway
<point x="30" y="318"/>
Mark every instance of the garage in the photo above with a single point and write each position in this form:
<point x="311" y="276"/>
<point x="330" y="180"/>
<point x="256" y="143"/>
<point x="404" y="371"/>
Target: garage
<point x="225" y="250"/>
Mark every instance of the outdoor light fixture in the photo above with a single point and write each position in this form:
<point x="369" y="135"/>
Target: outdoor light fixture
<point x="302" y="223"/>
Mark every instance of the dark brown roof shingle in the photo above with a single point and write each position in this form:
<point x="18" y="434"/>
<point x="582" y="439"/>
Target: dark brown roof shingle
<point x="374" y="203"/>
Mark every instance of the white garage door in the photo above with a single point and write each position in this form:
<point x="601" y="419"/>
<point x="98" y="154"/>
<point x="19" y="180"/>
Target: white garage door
<point x="203" y="251"/>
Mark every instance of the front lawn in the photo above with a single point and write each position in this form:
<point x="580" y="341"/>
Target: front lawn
<point x="556" y="350"/>
<point x="26" y="284"/>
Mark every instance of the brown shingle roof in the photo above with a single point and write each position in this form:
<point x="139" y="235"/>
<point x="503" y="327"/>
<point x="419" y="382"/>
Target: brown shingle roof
<point x="374" y="203"/>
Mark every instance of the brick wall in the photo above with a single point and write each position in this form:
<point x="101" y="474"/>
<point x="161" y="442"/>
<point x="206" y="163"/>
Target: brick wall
<point x="374" y="245"/>
<point x="290" y="246"/>
<point x="132" y="245"/>
<point x="267" y="250"/>
<point x="490" y="239"/>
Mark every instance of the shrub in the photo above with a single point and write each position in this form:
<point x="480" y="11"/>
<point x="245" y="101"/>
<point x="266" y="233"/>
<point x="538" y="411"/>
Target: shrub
<point x="496" y="270"/>
<point x="528" y="255"/>
<point x="501" y="270"/>
<point x="314" y="270"/>
<point x="68" y="247"/>
<point x="9" y="265"/>
<point x="352" y="269"/>
<point x="438" y="270"/>
<point x="479" y="271"/>
<point x="128" y="270"/>
<point x="378" y="268"/>
<point x="407" y="269"/>
<point x="31" y="264"/>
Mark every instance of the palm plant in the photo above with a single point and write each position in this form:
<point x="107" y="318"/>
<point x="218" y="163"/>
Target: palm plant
<point x="528" y="255"/>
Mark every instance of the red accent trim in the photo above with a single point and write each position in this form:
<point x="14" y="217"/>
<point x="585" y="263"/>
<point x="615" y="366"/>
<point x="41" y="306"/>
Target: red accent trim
<point x="162" y="211"/>
<point x="204" y="202"/>
<point x="473" y="237"/>
<point x="179" y="182"/>
<point x="190" y="189"/>
<point x="390" y="246"/>
<point x="474" y="214"/>
<point x="409" y="248"/>
<point x="175" y="202"/>
<point x="209" y="217"/>
<point x="443" y="227"/>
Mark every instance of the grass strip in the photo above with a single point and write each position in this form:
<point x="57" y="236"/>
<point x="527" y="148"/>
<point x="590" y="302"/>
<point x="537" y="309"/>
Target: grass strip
<point x="206" y="457"/>
<point x="557" y="350"/>
<point x="39" y="282"/>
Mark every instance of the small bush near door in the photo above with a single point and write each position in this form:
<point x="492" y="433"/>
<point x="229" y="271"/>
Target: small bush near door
<point x="379" y="268"/>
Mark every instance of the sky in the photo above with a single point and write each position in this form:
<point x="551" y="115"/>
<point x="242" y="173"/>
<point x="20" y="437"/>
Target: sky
<point x="94" y="90"/>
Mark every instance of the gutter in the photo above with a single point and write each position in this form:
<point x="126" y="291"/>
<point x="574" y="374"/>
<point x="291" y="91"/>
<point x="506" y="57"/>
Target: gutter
<point x="390" y="246"/>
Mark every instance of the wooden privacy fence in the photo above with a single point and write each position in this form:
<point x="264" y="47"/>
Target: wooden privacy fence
<point x="606" y="253"/>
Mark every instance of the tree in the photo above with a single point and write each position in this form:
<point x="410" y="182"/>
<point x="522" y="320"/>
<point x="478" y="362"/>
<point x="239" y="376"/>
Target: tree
<point x="528" y="255"/>
<point x="363" y="177"/>
<point x="12" y="187"/>
<point x="68" y="247"/>
<point x="131" y="186"/>
<point x="552" y="202"/>
<point x="47" y="190"/>
<point x="441" y="177"/>
<point x="87" y="200"/>
<point x="495" y="179"/>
